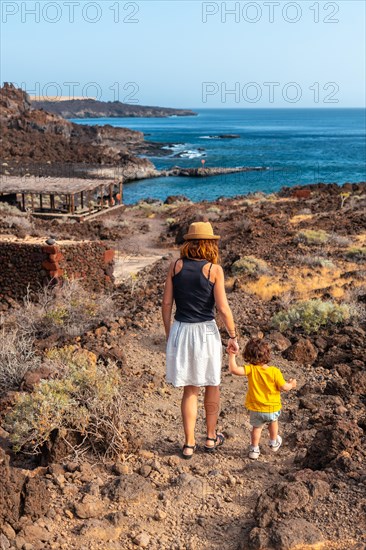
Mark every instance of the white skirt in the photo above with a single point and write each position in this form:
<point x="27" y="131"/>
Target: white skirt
<point x="194" y="354"/>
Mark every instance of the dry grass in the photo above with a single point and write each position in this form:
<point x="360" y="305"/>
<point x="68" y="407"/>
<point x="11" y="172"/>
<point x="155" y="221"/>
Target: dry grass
<point x="361" y="239"/>
<point x="17" y="357"/>
<point x="6" y="208"/>
<point x="69" y="310"/>
<point x="301" y="218"/>
<point x="304" y="283"/>
<point x="267" y="287"/>
<point x="114" y="223"/>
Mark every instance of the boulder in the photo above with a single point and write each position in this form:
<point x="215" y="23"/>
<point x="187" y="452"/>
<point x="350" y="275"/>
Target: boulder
<point x="303" y="351"/>
<point x="358" y="383"/>
<point x="36" y="498"/>
<point x="279" y="501"/>
<point x="130" y="488"/>
<point x="276" y="527"/>
<point x="291" y="533"/>
<point x="11" y="488"/>
<point x="279" y="341"/>
<point x="34" y="377"/>
<point x="176" y="198"/>
<point x="90" y="507"/>
<point x="330" y="441"/>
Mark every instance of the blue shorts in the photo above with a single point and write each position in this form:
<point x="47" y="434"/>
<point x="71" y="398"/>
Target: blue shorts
<point x="259" y="419"/>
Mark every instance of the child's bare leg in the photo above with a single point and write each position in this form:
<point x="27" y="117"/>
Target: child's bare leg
<point x="255" y="436"/>
<point x="273" y="430"/>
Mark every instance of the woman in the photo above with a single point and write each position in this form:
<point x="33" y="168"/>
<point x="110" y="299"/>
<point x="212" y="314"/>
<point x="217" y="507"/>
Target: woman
<point x="195" y="283"/>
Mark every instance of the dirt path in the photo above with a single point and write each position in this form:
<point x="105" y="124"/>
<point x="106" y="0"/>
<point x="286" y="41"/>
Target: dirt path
<point x="209" y="500"/>
<point x="141" y="248"/>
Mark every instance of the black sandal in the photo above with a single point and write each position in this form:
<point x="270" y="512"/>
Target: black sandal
<point x="219" y="441"/>
<point x="188" y="457"/>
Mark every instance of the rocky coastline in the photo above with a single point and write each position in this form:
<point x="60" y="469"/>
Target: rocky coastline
<point x="37" y="142"/>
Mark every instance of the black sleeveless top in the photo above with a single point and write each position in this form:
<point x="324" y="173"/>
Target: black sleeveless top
<point x="193" y="293"/>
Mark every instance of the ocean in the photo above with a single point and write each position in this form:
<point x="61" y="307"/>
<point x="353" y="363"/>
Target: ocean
<point x="297" y="147"/>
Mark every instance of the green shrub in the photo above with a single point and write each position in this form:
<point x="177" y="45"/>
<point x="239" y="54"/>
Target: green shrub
<point x="86" y="399"/>
<point x="249" y="265"/>
<point x="312" y="236"/>
<point x="318" y="261"/>
<point x="311" y="315"/>
<point x="357" y="253"/>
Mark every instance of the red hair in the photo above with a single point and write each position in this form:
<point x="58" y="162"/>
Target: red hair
<point x="201" y="249"/>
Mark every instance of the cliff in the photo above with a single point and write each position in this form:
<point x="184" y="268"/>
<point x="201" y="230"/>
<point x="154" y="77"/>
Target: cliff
<point x="35" y="141"/>
<point x="91" y="108"/>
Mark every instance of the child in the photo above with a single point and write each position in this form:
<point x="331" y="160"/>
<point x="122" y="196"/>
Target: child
<point x="263" y="398"/>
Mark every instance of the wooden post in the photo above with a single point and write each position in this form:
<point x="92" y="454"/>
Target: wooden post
<point x="82" y="200"/>
<point x="32" y="202"/>
<point x="23" y="202"/>
<point x="41" y="202"/>
<point x="69" y="203"/>
<point x="111" y="194"/>
<point x="72" y="203"/>
<point x="89" y="202"/>
<point x="120" y="191"/>
<point x="52" y="202"/>
<point x="101" y="196"/>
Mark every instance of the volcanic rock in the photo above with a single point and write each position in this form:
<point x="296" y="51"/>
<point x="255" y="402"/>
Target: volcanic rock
<point x="302" y="351"/>
<point x="90" y="507"/>
<point x="279" y="341"/>
<point x="330" y="441"/>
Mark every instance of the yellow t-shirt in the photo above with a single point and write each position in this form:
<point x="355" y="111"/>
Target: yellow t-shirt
<point x="263" y="388"/>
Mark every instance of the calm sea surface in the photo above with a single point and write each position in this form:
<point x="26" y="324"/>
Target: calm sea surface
<point x="297" y="146"/>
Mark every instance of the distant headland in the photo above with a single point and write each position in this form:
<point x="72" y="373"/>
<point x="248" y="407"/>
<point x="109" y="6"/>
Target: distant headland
<point x="92" y="108"/>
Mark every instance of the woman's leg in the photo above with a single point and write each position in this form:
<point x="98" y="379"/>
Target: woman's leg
<point x="212" y="408"/>
<point x="189" y="414"/>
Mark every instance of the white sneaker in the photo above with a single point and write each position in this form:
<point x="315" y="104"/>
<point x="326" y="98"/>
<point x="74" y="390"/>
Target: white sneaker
<point x="253" y="454"/>
<point x="274" y="448"/>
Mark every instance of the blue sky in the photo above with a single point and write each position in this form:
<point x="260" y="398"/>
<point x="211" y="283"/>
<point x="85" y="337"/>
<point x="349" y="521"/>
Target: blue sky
<point x="189" y="53"/>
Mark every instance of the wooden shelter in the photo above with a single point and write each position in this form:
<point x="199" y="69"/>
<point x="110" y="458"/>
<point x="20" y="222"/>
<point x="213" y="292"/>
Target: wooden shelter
<point x="51" y="197"/>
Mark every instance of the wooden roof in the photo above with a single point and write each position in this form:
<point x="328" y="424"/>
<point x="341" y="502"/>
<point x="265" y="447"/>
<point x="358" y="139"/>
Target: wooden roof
<point x="50" y="185"/>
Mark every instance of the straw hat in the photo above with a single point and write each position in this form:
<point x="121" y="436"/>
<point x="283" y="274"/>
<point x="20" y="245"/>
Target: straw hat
<point x="200" y="230"/>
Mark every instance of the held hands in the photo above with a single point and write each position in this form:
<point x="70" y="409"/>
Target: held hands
<point x="293" y="382"/>
<point x="232" y="347"/>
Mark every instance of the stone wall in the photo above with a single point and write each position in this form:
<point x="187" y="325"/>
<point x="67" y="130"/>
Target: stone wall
<point x="32" y="265"/>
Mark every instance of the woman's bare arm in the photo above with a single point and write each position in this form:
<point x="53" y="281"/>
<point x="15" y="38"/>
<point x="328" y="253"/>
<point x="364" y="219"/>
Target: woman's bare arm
<point x="223" y="305"/>
<point x="168" y="300"/>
